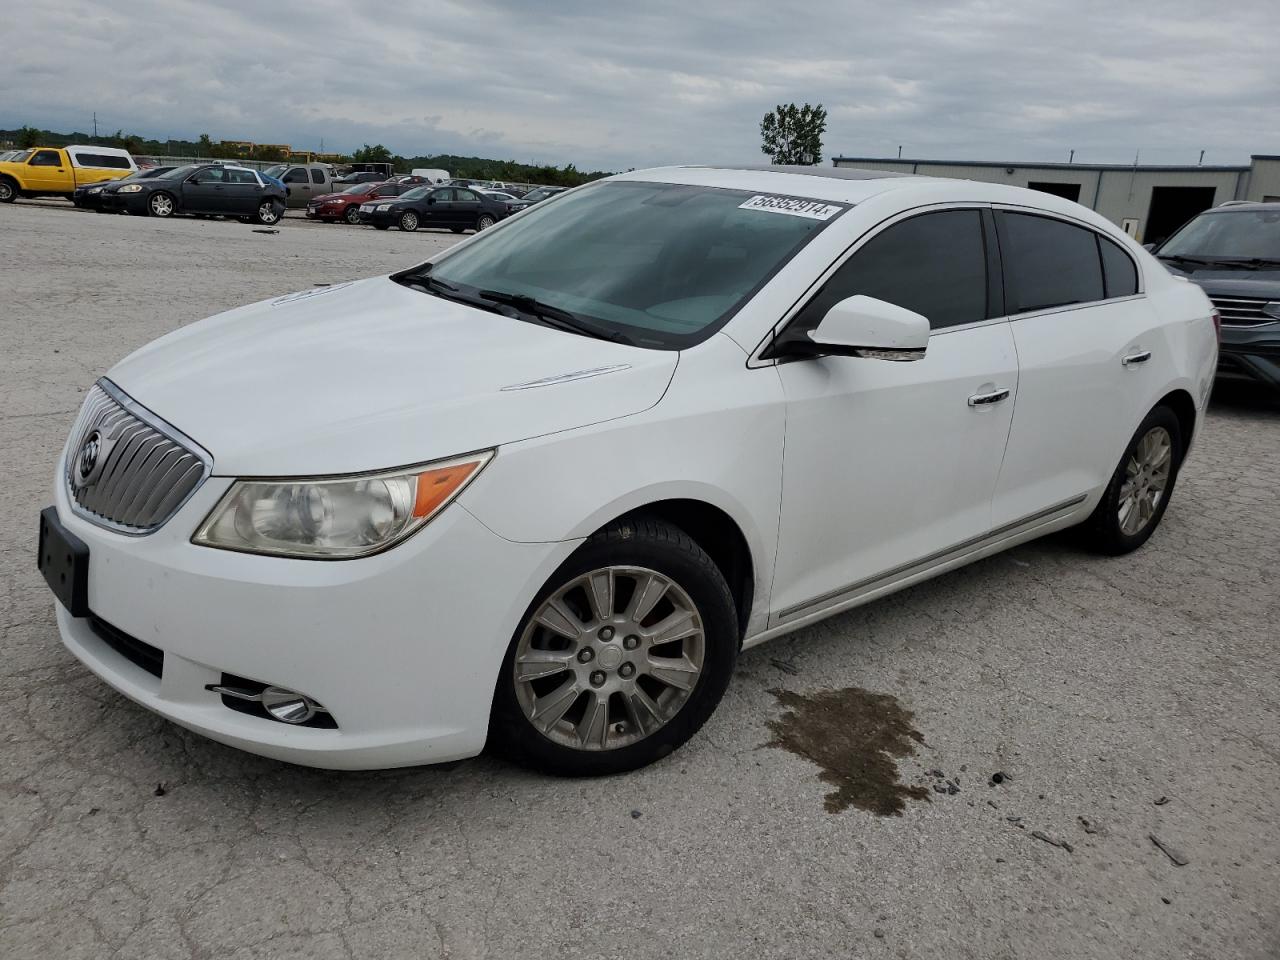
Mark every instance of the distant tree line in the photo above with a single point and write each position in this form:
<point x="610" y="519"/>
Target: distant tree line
<point x="474" y="168"/>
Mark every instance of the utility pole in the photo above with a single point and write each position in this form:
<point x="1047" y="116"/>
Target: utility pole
<point x="95" y="124"/>
<point x="1200" y="162"/>
<point x="1072" y="157"/>
<point x="899" y="151"/>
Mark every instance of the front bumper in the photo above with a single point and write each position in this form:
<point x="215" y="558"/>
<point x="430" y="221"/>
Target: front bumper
<point x="1250" y="353"/>
<point x="384" y="218"/>
<point x="323" y="212"/>
<point x="402" y="648"/>
<point x="123" y="203"/>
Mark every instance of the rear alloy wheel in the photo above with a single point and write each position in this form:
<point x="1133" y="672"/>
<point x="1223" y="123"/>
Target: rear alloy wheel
<point x="161" y="205"/>
<point x="1138" y="495"/>
<point x="408" y="221"/>
<point x="268" y="213"/>
<point x="621" y="658"/>
<point x="352" y="216"/>
<point x="485" y="222"/>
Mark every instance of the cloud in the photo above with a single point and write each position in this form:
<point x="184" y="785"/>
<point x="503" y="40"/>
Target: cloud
<point x="617" y="86"/>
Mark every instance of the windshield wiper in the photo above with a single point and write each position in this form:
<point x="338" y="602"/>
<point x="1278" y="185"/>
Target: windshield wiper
<point x="1182" y="258"/>
<point x="1251" y="262"/>
<point x="554" y="316"/>
<point x="446" y="291"/>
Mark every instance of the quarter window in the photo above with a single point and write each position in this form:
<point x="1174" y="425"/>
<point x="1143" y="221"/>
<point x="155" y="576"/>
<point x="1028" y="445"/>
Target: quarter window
<point x="1119" y="273"/>
<point x="1048" y="263"/>
<point x="934" y="264"/>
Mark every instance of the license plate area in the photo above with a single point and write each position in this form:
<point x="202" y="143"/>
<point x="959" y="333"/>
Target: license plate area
<point x="64" y="561"/>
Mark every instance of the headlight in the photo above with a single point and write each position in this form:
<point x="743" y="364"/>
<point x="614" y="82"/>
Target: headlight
<point x="327" y="202"/>
<point x="384" y="206"/>
<point x="335" y="517"/>
<point x="95" y="190"/>
<point x="131" y="188"/>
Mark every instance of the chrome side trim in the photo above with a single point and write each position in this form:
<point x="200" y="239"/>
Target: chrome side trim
<point x="568" y="377"/>
<point x="881" y="580"/>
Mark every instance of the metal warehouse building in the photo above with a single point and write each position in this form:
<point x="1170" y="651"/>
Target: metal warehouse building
<point x="1148" y="202"/>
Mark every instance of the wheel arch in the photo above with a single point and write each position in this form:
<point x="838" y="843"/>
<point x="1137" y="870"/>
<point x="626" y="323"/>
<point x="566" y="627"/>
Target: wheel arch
<point x="1184" y="408"/>
<point x="717" y="533"/>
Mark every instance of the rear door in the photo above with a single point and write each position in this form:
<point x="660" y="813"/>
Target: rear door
<point x="890" y="468"/>
<point x="1090" y="351"/>
<point x="466" y="208"/>
<point x="241" y="192"/>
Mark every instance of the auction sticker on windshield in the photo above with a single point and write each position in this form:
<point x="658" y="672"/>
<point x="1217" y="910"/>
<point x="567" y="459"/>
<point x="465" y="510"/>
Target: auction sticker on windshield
<point x="792" y="207"/>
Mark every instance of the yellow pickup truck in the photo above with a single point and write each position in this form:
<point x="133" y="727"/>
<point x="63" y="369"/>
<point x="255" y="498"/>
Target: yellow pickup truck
<point x="57" y="171"/>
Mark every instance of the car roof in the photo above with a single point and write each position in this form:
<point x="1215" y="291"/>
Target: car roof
<point x="1244" y="206"/>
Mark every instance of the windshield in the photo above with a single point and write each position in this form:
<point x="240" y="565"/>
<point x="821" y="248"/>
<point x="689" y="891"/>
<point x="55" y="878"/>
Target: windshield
<point x="665" y="265"/>
<point x="1228" y="235"/>
<point x="417" y="193"/>
<point x="22" y="156"/>
<point x="541" y="193"/>
<point x="275" y="171"/>
<point x="177" y="173"/>
<point x="360" y="188"/>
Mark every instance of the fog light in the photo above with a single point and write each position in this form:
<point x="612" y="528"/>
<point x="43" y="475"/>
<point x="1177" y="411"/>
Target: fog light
<point x="287" y="706"/>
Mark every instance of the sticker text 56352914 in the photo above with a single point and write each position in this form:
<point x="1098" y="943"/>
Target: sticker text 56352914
<point x="793" y="207"/>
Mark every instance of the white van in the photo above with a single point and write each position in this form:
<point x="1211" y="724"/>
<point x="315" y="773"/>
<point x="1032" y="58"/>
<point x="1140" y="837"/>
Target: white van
<point x="434" y="176"/>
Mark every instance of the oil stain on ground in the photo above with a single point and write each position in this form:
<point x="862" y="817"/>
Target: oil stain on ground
<point x="856" y="737"/>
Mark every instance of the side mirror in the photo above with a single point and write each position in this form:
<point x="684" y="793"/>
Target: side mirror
<point x="431" y="200"/>
<point x="862" y="327"/>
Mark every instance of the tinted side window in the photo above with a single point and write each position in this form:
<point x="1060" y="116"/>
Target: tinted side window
<point x="242" y="176"/>
<point x="442" y="195"/>
<point x="317" y="176"/>
<point x="296" y="175"/>
<point x="211" y="175"/>
<point x="466" y="195"/>
<point x="934" y="264"/>
<point x="1118" y="270"/>
<point x="102" y="160"/>
<point x="1048" y="263"/>
<point x="46" y="158"/>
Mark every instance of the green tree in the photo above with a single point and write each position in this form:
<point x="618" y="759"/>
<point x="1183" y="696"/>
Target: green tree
<point x="28" y="137"/>
<point x="793" y="135"/>
<point x="372" y="154"/>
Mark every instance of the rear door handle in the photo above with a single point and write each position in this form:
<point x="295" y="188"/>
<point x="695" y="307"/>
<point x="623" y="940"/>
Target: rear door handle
<point x="1133" y="358"/>
<point x="983" y="399"/>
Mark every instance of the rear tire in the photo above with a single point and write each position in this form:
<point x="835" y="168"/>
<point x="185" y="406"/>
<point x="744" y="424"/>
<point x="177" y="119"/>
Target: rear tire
<point x="268" y="213"/>
<point x="1138" y="495"/>
<point x="630" y="696"/>
<point x="485" y="221"/>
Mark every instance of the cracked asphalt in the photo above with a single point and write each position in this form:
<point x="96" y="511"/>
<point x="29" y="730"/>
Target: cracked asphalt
<point x="1097" y="685"/>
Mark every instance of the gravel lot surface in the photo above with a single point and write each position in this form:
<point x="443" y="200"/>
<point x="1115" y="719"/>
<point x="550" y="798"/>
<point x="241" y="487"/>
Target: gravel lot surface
<point x="1099" y="686"/>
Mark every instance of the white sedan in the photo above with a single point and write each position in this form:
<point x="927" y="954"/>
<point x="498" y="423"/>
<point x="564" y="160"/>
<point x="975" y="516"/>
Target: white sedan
<point x="542" y="490"/>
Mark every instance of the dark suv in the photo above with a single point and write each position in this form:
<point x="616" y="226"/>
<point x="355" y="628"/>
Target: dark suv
<point x="1233" y="252"/>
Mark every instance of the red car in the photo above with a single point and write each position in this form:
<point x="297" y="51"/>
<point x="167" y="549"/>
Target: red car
<point x="346" y="205"/>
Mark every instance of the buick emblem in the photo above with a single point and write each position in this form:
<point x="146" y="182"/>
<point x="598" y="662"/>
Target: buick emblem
<point x="88" y="461"/>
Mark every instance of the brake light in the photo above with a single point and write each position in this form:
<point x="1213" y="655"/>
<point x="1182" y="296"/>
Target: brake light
<point x="1217" y="324"/>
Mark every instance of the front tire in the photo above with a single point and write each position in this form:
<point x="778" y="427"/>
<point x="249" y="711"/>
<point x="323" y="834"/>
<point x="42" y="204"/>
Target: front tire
<point x="621" y="657"/>
<point x="8" y="190"/>
<point x="408" y="221"/>
<point x="352" y="216"/>
<point x="161" y="205"/>
<point x="1138" y="495"/>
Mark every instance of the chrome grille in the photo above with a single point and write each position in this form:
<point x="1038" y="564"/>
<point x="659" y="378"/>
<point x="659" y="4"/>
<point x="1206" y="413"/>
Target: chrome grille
<point x="1242" y="311"/>
<point x="147" y="471"/>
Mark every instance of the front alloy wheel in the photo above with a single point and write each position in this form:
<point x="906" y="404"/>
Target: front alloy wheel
<point x="609" y="658"/>
<point x="353" y="216"/>
<point x="267" y="212"/>
<point x="408" y="221"/>
<point x="161" y="205"/>
<point x="7" y="193"/>
<point x="621" y="658"/>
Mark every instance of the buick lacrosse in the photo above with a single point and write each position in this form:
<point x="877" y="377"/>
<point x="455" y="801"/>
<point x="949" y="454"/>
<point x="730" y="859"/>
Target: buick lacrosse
<point x="542" y="490"/>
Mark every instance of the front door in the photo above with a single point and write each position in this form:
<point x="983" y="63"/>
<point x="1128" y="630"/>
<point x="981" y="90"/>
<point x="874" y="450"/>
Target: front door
<point x="889" y="467"/>
<point x="437" y="210"/>
<point x="47" y="172"/>
<point x="298" y="182"/>
<point x="1091" y="352"/>
<point x="205" y="191"/>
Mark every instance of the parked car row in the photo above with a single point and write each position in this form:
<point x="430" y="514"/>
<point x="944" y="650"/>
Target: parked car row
<point x="58" y="171"/>
<point x="209" y="189"/>
<point x="409" y="204"/>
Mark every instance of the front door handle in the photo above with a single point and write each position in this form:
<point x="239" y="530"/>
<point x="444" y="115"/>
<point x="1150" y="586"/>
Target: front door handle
<point x="1131" y="359"/>
<point x="984" y="399"/>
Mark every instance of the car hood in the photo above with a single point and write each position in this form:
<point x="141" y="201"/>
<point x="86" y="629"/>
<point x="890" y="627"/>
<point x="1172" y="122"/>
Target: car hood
<point x="371" y="374"/>
<point x="1262" y="283"/>
<point x="353" y="197"/>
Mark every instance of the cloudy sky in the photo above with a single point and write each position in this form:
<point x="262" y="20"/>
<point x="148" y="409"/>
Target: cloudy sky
<point x="611" y="85"/>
